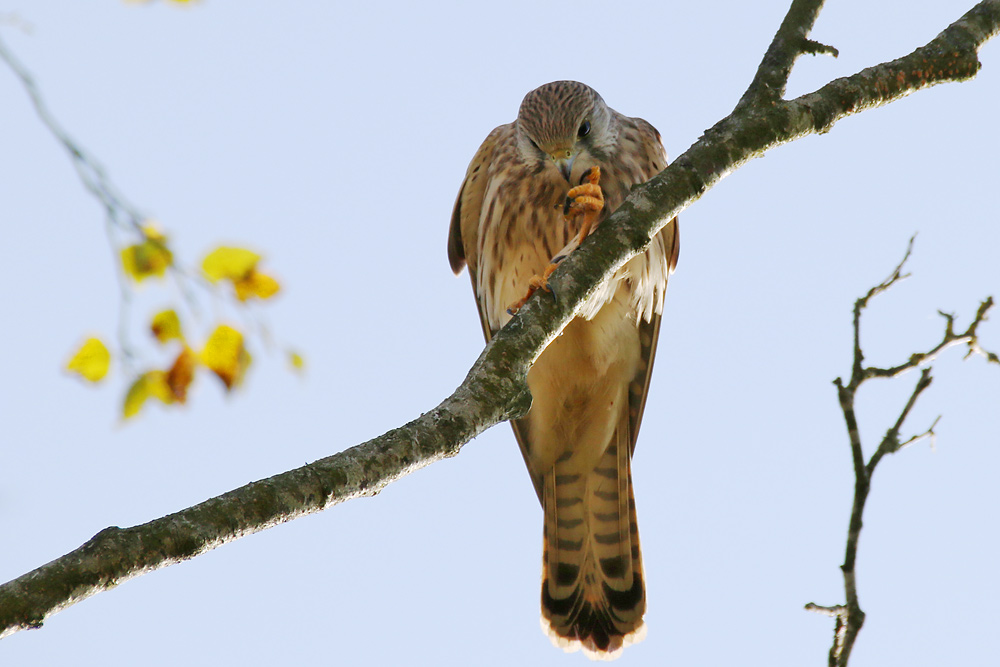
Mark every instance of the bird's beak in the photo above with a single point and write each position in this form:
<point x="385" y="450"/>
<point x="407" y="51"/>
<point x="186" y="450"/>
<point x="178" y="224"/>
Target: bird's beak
<point x="564" y="162"/>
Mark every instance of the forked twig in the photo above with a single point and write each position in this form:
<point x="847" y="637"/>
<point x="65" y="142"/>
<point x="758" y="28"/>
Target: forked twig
<point x="850" y="617"/>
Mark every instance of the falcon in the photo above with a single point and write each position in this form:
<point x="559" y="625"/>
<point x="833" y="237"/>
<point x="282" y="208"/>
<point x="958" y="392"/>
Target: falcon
<point x="534" y="190"/>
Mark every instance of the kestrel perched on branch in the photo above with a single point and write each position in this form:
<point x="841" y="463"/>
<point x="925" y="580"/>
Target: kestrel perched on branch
<point x="533" y="191"/>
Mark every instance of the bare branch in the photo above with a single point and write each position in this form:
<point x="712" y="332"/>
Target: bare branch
<point x="850" y="617"/>
<point x="969" y="337"/>
<point x="495" y="388"/>
<point x="929" y="433"/>
<point x="857" y="372"/>
<point x="890" y="441"/>
<point x="791" y="41"/>
<point x="835" y="610"/>
<point x="817" y="49"/>
<point x="839" y="613"/>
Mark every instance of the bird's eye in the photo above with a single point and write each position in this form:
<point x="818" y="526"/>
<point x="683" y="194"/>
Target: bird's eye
<point x="584" y="129"/>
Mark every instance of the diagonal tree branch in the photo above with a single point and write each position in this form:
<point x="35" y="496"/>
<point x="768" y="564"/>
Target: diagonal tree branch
<point x="850" y="617"/>
<point x="495" y="388"/>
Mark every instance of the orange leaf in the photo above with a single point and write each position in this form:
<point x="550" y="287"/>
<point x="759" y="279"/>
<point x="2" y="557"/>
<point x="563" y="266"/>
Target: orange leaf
<point x="257" y="285"/>
<point x="148" y="385"/>
<point x="181" y="374"/>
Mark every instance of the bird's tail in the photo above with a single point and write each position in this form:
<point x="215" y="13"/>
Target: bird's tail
<point x="593" y="595"/>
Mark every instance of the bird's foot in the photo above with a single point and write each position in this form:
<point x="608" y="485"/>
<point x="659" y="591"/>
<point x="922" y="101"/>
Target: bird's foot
<point x="536" y="283"/>
<point x="586" y="199"/>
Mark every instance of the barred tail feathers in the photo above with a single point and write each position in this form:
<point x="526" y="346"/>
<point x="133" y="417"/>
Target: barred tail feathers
<point x="593" y="593"/>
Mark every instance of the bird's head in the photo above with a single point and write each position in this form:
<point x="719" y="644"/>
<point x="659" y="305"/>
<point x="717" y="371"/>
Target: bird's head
<point x="564" y="124"/>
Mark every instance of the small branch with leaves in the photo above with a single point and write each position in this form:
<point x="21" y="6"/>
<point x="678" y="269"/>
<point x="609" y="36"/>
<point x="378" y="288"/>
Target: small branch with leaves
<point x="142" y="252"/>
<point x="850" y="617"/>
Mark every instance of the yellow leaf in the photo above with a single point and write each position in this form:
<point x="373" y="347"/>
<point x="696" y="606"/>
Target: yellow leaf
<point x="135" y="397"/>
<point x="296" y="361"/>
<point x="151" y="230"/>
<point x="225" y="355"/>
<point x="152" y="257"/>
<point x="181" y="374"/>
<point x="158" y="387"/>
<point x="91" y="361"/>
<point x="166" y="326"/>
<point x="229" y="263"/>
<point x="148" y="385"/>
<point x="256" y="285"/>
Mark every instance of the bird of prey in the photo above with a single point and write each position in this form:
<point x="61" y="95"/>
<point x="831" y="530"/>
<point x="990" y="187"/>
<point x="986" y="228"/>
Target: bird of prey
<point x="533" y="191"/>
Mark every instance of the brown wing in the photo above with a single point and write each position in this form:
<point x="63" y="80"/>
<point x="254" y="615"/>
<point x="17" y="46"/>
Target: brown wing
<point x="649" y="159"/>
<point x="655" y="161"/>
<point x="463" y="235"/>
<point x="463" y="243"/>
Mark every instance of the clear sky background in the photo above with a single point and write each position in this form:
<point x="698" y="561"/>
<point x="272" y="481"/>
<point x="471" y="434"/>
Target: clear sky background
<point x="333" y="137"/>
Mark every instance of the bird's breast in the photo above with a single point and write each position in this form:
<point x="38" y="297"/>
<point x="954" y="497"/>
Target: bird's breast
<point x="522" y="227"/>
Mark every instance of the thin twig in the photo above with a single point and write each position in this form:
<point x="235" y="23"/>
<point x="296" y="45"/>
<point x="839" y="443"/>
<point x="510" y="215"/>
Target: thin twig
<point x="91" y="172"/>
<point x="850" y="617"/>
<point x="857" y="372"/>
<point x="121" y="216"/>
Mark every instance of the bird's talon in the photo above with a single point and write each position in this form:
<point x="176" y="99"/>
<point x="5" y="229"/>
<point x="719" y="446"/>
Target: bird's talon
<point x="517" y="305"/>
<point x="536" y="283"/>
<point x="586" y="199"/>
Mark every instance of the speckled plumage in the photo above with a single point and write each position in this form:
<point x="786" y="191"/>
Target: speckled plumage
<point x="589" y="385"/>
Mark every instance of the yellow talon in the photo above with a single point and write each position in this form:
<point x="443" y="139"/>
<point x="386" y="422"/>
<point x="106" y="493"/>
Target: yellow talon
<point x="535" y="283"/>
<point x="586" y="199"/>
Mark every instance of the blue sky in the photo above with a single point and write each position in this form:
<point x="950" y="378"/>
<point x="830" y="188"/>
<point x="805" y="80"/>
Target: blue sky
<point x="333" y="139"/>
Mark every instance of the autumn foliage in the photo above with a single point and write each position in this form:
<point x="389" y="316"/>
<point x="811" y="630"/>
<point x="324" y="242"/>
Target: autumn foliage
<point x="222" y="352"/>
